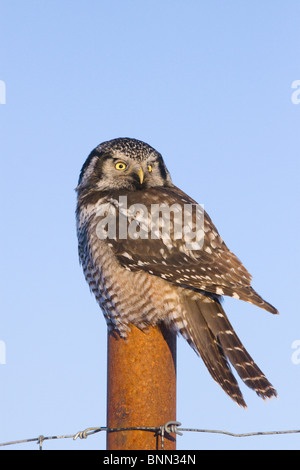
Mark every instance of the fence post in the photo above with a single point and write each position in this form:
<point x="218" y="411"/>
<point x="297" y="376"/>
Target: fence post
<point x="141" y="388"/>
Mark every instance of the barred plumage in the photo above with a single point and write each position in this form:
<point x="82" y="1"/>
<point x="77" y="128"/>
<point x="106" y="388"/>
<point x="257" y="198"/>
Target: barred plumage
<point x="144" y="274"/>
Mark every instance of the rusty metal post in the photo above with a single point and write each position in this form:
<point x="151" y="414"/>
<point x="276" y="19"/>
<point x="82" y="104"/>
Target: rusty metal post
<point x="141" y="388"/>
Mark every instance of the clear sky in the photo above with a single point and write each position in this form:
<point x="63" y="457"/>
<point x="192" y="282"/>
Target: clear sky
<point x="209" y="85"/>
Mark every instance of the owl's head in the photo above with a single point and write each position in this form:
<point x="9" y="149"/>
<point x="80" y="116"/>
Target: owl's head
<point x="123" y="164"/>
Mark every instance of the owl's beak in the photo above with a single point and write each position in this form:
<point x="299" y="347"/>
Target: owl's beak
<point x="141" y="175"/>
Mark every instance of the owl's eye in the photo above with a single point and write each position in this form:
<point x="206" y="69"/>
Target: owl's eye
<point x="149" y="168"/>
<point x="120" y="166"/>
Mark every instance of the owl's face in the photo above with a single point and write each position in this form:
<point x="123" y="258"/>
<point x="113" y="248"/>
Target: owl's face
<point x="123" y="164"/>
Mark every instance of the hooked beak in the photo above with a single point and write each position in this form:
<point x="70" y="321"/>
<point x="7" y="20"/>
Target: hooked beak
<point x="141" y="175"/>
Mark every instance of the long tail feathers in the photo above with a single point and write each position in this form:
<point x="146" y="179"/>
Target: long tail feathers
<point x="210" y="333"/>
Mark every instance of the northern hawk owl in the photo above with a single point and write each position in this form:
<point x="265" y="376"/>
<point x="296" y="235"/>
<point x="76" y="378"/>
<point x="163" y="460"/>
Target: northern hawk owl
<point x="145" y="270"/>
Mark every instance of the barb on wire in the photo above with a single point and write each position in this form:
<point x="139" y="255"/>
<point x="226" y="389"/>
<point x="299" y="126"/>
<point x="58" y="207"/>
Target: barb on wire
<point x="87" y="432"/>
<point x="171" y="427"/>
<point x="81" y="434"/>
<point x="40" y="442"/>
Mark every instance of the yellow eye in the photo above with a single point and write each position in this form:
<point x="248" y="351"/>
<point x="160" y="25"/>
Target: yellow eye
<point x="149" y="168"/>
<point x="121" y="166"/>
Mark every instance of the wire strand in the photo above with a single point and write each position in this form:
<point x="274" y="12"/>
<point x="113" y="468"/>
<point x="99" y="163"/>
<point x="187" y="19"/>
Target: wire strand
<point x="171" y="427"/>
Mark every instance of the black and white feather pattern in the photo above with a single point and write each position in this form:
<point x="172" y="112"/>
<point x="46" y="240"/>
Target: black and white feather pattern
<point x="148" y="280"/>
<point x="213" y="268"/>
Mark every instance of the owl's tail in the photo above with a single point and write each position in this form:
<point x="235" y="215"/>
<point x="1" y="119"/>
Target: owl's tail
<point x="211" y="335"/>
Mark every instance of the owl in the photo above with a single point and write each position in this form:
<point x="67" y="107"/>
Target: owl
<point x="151" y="255"/>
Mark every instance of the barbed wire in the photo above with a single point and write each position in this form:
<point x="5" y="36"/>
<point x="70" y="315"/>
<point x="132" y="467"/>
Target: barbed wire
<point x="171" y="427"/>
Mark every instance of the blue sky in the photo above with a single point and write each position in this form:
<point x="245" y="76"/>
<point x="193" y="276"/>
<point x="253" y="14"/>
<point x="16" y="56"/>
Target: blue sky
<point x="209" y="85"/>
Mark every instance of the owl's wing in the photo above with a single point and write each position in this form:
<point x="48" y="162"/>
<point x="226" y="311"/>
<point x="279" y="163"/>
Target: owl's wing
<point x="203" y="265"/>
